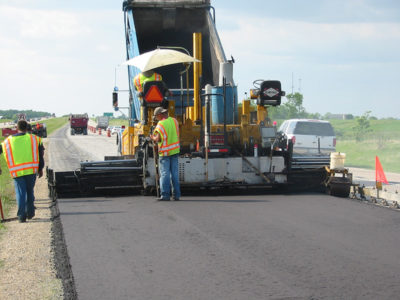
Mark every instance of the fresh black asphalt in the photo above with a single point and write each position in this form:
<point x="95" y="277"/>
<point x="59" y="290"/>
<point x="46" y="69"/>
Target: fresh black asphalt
<point x="302" y="246"/>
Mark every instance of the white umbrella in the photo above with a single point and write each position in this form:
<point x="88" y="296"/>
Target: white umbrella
<point x="158" y="58"/>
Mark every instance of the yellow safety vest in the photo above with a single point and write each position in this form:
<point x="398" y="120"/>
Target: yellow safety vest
<point x="140" y="79"/>
<point x="169" y="131"/>
<point x="22" y="154"/>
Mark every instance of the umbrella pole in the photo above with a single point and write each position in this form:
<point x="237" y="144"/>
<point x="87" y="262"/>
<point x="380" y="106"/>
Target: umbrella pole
<point x="183" y="112"/>
<point x="187" y="92"/>
<point x="181" y="73"/>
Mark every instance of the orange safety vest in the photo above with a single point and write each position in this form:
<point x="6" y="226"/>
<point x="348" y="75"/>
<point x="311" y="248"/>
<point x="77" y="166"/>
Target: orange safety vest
<point x="169" y="131"/>
<point x="140" y="79"/>
<point x="22" y="154"/>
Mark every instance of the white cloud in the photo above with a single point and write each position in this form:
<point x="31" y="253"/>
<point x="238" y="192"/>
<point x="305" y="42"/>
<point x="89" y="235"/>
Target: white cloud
<point x="43" y="24"/>
<point x="294" y="38"/>
<point x="337" y="62"/>
<point x="59" y="61"/>
<point x="103" y="48"/>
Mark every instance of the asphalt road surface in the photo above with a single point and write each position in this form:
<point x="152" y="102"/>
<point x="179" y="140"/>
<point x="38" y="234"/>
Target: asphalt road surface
<point x="66" y="151"/>
<point x="308" y="246"/>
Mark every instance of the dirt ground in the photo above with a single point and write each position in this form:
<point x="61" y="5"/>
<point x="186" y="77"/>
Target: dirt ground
<point x="27" y="259"/>
<point x="34" y="263"/>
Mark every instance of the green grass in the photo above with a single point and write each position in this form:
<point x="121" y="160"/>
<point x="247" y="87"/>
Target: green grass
<point x="115" y="122"/>
<point x="119" y="122"/>
<point x="5" y="120"/>
<point x="6" y="187"/>
<point x="383" y="140"/>
<point x="54" y="124"/>
<point x="380" y="129"/>
<point x="363" y="154"/>
<point x="6" y="184"/>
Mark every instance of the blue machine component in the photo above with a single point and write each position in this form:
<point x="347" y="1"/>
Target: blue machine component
<point x="217" y="104"/>
<point x="181" y="102"/>
<point x="132" y="49"/>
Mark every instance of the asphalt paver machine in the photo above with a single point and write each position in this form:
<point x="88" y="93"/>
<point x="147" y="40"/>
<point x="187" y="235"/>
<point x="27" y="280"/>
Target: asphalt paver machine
<point x="223" y="143"/>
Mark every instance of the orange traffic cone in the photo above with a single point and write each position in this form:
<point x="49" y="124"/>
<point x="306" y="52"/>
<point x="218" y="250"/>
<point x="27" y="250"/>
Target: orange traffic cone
<point x="379" y="174"/>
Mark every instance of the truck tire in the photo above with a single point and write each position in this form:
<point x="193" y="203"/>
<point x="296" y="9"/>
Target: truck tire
<point x="85" y="131"/>
<point x="72" y="131"/>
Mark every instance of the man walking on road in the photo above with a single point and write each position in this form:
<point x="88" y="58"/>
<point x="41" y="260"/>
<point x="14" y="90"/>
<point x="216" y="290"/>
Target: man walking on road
<point x="23" y="153"/>
<point x="166" y="134"/>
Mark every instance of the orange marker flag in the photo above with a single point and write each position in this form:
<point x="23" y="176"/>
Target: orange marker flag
<point x="379" y="174"/>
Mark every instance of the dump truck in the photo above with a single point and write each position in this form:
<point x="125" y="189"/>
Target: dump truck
<point x="102" y="122"/>
<point x="222" y="146"/>
<point x="79" y="123"/>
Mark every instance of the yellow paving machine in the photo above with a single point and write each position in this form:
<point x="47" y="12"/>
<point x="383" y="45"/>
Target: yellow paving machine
<point x="224" y="144"/>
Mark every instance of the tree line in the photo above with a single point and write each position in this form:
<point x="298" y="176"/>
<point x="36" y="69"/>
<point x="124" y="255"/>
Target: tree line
<point x="12" y="114"/>
<point x="293" y="109"/>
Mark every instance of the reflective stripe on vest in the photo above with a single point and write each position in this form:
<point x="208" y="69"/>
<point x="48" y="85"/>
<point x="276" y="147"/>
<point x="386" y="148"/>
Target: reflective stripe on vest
<point x="27" y="161"/>
<point x="35" y="149"/>
<point x="137" y="83"/>
<point x="9" y="157"/>
<point x="140" y="79"/>
<point x="25" y="166"/>
<point x="169" y="145"/>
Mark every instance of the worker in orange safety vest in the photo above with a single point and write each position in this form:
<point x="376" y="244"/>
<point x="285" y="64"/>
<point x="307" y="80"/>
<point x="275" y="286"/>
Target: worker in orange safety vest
<point x="141" y="78"/>
<point x="23" y="153"/>
<point x="166" y="134"/>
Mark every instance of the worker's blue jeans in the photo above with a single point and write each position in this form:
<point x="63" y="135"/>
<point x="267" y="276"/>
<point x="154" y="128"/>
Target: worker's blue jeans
<point x="169" y="173"/>
<point x="24" y="186"/>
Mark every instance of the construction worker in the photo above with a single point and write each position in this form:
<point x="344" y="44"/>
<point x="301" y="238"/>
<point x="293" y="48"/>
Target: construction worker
<point x="141" y="78"/>
<point x="23" y="153"/>
<point x="166" y="134"/>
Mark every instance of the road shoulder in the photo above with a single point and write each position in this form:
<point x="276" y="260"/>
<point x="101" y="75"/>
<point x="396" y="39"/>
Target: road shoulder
<point x="26" y="254"/>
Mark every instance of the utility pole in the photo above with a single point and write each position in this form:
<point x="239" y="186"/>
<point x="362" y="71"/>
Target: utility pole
<point x="292" y="84"/>
<point x="300" y="85"/>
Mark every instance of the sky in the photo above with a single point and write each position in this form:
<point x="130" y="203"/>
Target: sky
<point x="64" y="56"/>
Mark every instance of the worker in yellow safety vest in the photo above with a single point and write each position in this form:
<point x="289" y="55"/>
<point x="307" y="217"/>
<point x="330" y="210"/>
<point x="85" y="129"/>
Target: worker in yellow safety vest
<point x="141" y="78"/>
<point x="23" y="153"/>
<point x="166" y="134"/>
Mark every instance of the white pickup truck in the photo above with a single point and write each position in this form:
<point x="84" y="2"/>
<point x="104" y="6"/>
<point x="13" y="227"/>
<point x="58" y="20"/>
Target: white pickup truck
<point x="310" y="137"/>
